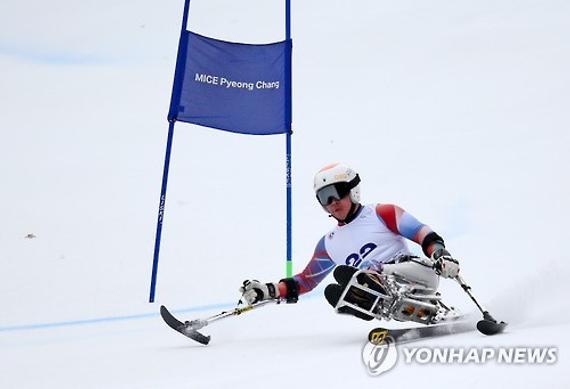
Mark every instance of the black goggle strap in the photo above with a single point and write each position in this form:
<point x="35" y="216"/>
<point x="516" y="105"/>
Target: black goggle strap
<point x="355" y="181"/>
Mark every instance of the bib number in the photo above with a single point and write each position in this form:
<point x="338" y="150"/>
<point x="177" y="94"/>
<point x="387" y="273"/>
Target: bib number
<point x="355" y="259"/>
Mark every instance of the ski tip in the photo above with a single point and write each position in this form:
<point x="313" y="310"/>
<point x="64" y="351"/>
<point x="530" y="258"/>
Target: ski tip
<point x="172" y="322"/>
<point x="377" y="335"/>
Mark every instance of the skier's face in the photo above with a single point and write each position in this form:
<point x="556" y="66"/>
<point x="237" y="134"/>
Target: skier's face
<point x="340" y="209"/>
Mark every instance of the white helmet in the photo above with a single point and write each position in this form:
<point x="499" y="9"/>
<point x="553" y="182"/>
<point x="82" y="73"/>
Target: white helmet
<point x="335" y="181"/>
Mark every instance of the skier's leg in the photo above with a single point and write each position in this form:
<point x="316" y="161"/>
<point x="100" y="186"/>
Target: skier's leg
<point x="333" y="293"/>
<point x="343" y="273"/>
<point x="354" y="289"/>
<point x="423" y="282"/>
<point x="414" y="273"/>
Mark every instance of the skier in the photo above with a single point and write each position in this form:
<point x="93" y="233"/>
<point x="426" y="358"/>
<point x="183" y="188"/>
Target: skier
<point x="376" y="275"/>
<point x="368" y="238"/>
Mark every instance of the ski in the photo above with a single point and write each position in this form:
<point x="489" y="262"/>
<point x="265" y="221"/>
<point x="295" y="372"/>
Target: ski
<point x="407" y="335"/>
<point x="182" y="328"/>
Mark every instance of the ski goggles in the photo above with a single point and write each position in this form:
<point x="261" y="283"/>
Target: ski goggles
<point x="327" y="194"/>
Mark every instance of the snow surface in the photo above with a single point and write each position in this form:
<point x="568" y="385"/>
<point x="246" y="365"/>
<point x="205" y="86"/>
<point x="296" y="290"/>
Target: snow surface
<point x="457" y="111"/>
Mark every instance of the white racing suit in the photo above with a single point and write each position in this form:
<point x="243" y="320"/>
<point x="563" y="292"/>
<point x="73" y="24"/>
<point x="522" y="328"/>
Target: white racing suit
<point x="374" y="239"/>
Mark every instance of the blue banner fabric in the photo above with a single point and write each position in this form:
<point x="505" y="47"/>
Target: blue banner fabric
<point x="243" y="88"/>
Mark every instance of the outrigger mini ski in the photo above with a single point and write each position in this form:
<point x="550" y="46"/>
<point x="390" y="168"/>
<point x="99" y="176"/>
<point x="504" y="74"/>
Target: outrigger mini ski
<point x="488" y="325"/>
<point x="190" y="328"/>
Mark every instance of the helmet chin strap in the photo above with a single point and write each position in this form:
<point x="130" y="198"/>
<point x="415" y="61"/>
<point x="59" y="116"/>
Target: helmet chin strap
<point x="351" y="214"/>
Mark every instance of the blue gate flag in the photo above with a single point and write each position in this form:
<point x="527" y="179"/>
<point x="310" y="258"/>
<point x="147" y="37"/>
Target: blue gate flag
<point x="237" y="87"/>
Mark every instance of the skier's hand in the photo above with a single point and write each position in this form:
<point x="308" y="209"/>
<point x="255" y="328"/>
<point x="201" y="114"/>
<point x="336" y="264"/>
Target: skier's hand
<point x="444" y="264"/>
<point x="254" y="291"/>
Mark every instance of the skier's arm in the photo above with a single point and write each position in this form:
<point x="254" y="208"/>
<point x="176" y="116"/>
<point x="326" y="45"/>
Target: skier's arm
<point x="316" y="270"/>
<point x="405" y="224"/>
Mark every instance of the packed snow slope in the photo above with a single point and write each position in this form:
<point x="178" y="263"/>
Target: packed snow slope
<point x="456" y="111"/>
